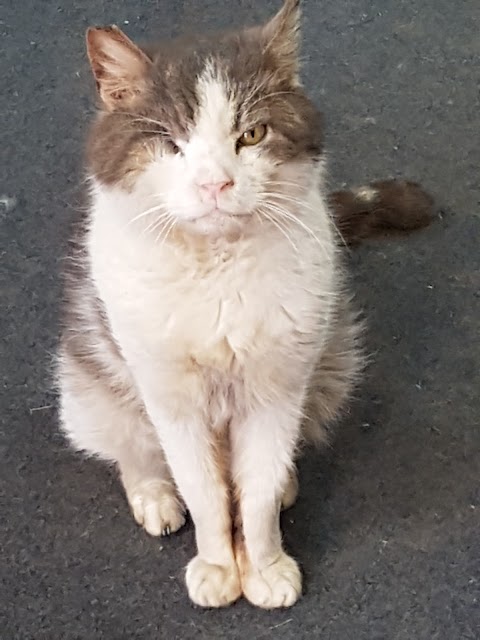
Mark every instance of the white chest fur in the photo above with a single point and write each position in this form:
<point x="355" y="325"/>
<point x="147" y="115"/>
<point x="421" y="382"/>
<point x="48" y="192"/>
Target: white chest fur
<point x="238" y="302"/>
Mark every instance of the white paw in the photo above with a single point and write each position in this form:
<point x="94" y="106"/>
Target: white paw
<point x="212" y="585"/>
<point x="278" y="585"/>
<point x="290" y="493"/>
<point x="157" y="508"/>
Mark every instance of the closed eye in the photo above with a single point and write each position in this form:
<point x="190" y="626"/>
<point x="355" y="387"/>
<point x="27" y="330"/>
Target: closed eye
<point x="154" y="128"/>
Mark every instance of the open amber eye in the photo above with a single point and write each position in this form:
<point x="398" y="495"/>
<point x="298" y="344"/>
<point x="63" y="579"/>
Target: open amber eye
<point x="253" y="136"/>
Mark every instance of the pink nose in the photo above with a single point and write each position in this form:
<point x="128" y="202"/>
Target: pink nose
<point x="211" y="190"/>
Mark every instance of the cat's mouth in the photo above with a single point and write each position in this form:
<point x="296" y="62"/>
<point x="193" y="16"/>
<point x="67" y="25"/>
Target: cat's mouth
<point x="220" y="215"/>
<point x="219" y="221"/>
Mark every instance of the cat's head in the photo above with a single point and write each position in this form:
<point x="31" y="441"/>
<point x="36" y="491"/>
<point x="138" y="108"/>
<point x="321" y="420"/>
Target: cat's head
<point x="211" y="130"/>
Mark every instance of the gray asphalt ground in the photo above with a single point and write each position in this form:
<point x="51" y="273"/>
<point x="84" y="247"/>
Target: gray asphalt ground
<point x="387" y="525"/>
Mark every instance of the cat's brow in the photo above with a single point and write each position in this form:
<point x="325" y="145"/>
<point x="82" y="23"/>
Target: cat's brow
<point x="136" y="118"/>
<point x="273" y="94"/>
<point x="250" y="112"/>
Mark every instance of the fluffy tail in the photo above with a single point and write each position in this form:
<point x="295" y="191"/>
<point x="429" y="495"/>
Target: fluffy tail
<point x="381" y="208"/>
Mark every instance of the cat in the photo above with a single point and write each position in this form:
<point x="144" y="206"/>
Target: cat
<point x="208" y="325"/>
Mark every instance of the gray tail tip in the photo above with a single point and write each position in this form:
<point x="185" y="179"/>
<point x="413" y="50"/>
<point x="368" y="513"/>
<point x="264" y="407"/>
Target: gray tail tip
<point x="380" y="208"/>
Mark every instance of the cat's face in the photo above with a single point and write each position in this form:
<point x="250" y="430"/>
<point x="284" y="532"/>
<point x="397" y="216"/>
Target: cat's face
<point x="212" y="131"/>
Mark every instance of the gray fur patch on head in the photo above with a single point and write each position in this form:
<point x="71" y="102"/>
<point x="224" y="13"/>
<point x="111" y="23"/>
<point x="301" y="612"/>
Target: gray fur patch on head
<point x="261" y="77"/>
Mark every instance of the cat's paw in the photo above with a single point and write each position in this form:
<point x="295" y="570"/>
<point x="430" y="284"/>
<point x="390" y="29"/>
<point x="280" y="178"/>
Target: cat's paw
<point x="290" y="492"/>
<point x="278" y="585"/>
<point x="156" y="506"/>
<point x="212" y="585"/>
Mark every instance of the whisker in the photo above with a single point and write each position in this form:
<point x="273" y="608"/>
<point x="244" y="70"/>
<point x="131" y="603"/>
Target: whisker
<point x="257" y="88"/>
<point x="165" y="231"/>
<point x="279" y="227"/>
<point x="139" y="118"/>
<point x="339" y="233"/>
<point x="152" y="121"/>
<point x="309" y="206"/>
<point x="170" y="228"/>
<point x="292" y="218"/>
<point x="269" y="95"/>
<point x="161" y="225"/>
<point x="156" y="222"/>
<point x="147" y="212"/>
<point x="282" y="183"/>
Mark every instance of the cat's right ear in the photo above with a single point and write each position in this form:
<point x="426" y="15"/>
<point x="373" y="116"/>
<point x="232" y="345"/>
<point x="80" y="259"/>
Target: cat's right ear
<point x="119" y="66"/>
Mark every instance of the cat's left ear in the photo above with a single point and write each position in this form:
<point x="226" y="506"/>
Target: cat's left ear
<point x="282" y="40"/>
<point x="119" y="66"/>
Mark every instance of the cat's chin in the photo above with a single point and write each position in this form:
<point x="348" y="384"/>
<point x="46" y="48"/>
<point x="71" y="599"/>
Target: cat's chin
<point x="219" y="223"/>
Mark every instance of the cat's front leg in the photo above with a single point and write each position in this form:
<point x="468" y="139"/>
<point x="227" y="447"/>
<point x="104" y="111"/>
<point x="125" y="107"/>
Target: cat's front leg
<point x="194" y="457"/>
<point x="263" y="448"/>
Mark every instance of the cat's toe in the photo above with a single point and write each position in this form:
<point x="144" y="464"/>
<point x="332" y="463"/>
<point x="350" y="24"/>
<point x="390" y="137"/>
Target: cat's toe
<point x="212" y="585"/>
<point x="278" y="585"/>
<point x="157" y="508"/>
